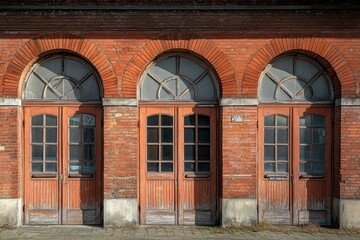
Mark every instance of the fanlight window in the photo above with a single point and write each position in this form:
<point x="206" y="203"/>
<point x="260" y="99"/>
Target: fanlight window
<point x="62" y="78"/>
<point x="294" y="78"/>
<point x="178" y="78"/>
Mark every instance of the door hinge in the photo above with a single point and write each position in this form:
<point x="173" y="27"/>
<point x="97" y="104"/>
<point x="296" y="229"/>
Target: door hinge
<point x="23" y="123"/>
<point x="23" y="208"/>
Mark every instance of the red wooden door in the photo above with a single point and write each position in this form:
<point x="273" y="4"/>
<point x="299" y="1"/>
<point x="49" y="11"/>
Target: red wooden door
<point x="295" y="165"/>
<point x="178" y="173"/>
<point x="62" y="165"/>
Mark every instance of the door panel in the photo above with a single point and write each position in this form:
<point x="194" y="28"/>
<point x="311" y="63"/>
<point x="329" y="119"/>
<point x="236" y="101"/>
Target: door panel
<point x="53" y="194"/>
<point x="158" y="195"/>
<point x="82" y="178"/>
<point x="312" y="172"/>
<point x="303" y="194"/>
<point x="42" y="182"/>
<point x="185" y="193"/>
<point x="197" y="148"/>
<point x="274" y="185"/>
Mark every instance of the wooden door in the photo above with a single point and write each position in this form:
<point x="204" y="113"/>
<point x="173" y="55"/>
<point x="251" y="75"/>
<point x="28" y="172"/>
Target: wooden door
<point x="178" y="166"/>
<point x="295" y="165"/>
<point x="62" y="165"/>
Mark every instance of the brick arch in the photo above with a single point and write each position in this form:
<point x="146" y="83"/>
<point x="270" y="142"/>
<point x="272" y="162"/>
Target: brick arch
<point x="36" y="47"/>
<point x="183" y="42"/>
<point x="321" y="50"/>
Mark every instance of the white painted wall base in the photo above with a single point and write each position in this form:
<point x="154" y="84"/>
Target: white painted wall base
<point x="349" y="213"/>
<point x="10" y="213"/>
<point x="239" y="212"/>
<point x="120" y="212"/>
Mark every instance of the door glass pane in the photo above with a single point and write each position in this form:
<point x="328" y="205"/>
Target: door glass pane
<point x="37" y="152"/>
<point x="203" y="120"/>
<point x="189" y="135"/>
<point x="204" y="167"/>
<point x="50" y="167"/>
<point x="167" y="152"/>
<point x="318" y="168"/>
<point x="89" y="135"/>
<point x="37" y="120"/>
<point x="88" y="167"/>
<point x="51" y="120"/>
<point x="152" y="152"/>
<point x="270" y="120"/>
<point x="269" y="153"/>
<point x="166" y="135"/>
<point x="153" y="120"/>
<point x="88" y="120"/>
<point x="282" y="153"/>
<point x="166" y="167"/>
<point x="36" y="167"/>
<point x="190" y="152"/>
<point x="89" y="152"/>
<point x="152" y="135"/>
<point x="305" y="153"/>
<point x="190" y="167"/>
<point x="166" y="120"/>
<point x="153" y="167"/>
<point x="204" y="135"/>
<point x="305" y="135"/>
<point x="74" y="167"/>
<point x="282" y="167"/>
<point x="75" y="152"/>
<point x="36" y="135"/>
<point x="269" y="135"/>
<point x="75" y="135"/>
<point x="319" y="135"/>
<point x="282" y="135"/>
<point x="319" y="121"/>
<point x="282" y="121"/>
<point x="50" y="153"/>
<point x="305" y="120"/>
<point x="75" y="120"/>
<point x="203" y="152"/>
<point x="318" y="153"/>
<point x="51" y="136"/>
<point x="189" y="120"/>
<point x="269" y="167"/>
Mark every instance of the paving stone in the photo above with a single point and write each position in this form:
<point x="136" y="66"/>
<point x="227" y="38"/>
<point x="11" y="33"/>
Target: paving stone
<point x="159" y="233"/>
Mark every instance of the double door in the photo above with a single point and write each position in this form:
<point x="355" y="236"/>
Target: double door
<point x="178" y="166"/>
<point x="62" y="165"/>
<point x="295" y="165"/>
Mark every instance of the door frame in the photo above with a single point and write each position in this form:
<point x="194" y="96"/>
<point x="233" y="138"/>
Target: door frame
<point x="59" y="107"/>
<point x="293" y="168"/>
<point x="142" y="170"/>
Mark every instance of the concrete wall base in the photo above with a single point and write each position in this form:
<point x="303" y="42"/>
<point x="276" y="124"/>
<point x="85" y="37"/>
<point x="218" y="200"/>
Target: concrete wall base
<point x="239" y="212"/>
<point x="10" y="213"/>
<point x="349" y="212"/>
<point x="120" y="212"/>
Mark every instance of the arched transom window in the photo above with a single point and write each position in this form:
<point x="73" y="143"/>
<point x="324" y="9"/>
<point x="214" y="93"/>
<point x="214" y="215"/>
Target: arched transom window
<point x="178" y="78"/>
<point x="62" y="77"/>
<point x="294" y="78"/>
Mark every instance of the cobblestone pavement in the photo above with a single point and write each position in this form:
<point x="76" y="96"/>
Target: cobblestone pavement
<point x="162" y="232"/>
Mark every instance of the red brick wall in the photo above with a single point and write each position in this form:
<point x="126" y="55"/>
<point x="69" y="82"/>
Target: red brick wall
<point x="120" y="152"/>
<point x="350" y="152"/>
<point x="239" y="152"/>
<point x="10" y="153"/>
<point x="238" y="44"/>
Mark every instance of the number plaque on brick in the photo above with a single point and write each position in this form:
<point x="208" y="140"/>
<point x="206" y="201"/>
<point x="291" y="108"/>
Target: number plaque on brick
<point x="237" y="118"/>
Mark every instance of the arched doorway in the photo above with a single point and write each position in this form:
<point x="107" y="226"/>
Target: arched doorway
<point x="63" y="142"/>
<point x="295" y="140"/>
<point x="178" y="142"/>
